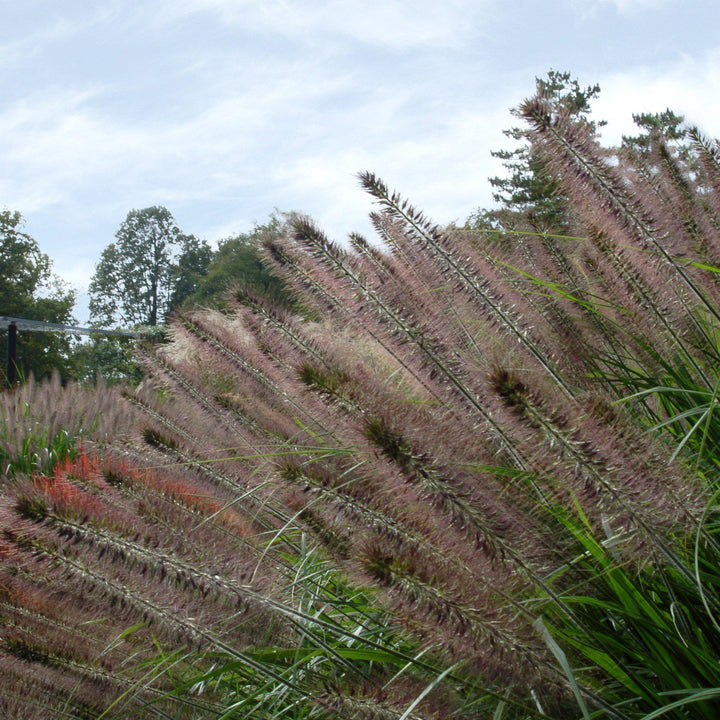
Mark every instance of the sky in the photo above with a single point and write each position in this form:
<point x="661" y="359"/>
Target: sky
<point x="225" y="110"/>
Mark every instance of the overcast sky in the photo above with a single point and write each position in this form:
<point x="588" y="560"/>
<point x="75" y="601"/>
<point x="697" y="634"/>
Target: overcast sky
<point x="222" y="110"/>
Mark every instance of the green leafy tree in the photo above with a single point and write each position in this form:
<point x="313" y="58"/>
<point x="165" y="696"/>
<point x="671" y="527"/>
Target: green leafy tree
<point x="29" y="289"/>
<point x="149" y="269"/>
<point x="111" y="359"/>
<point x="239" y="259"/>
<point x="189" y="271"/>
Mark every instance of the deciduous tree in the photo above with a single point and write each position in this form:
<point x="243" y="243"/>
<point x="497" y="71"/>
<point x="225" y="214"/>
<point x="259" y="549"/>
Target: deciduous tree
<point x="238" y="260"/>
<point x="29" y="289"/>
<point x="147" y="271"/>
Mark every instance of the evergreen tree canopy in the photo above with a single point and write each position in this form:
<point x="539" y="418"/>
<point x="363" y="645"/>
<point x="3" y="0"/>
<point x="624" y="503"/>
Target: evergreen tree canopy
<point x="528" y="191"/>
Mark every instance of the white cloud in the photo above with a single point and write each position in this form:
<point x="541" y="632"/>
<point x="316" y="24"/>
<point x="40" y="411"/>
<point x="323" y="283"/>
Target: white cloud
<point x="224" y="109"/>
<point x="55" y="143"/>
<point x="591" y="10"/>
<point x="253" y="130"/>
<point x="397" y="24"/>
<point x="443" y="173"/>
<point x="690" y="86"/>
<point x="24" y="47"/>
<point x="627" y="6"/>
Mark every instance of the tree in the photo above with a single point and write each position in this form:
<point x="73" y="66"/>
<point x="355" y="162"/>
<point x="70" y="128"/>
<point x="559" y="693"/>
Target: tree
<point x="147" y="271"/>
<point x="30" y="290"/>
<point x="189" y="271"/>
<point x="667" y="124"/>
<point x="111" y="359"/>
<point x="528" y="190"/>
<point x="664" y="137"/>
<point x="238" y="259"/>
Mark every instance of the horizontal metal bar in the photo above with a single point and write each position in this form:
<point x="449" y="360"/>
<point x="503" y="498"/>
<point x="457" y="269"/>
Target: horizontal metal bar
<point x="41" y="326"/>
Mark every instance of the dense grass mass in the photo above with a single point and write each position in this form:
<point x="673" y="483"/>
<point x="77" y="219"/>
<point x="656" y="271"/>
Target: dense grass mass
<point x="474" y="475"/>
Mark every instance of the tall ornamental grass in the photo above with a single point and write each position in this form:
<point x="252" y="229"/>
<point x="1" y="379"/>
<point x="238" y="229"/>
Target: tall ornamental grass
<point x="474" y="476"/>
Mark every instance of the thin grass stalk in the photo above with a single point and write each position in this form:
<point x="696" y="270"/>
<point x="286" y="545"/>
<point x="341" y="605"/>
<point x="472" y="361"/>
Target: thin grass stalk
<point x="416" y="280"/>
<point x="252" y="370"/>
<point x="308" y="234"/>
<point x="432" y="239"/>
<point x="612" y="195"/>
<point x="294" y="268"/>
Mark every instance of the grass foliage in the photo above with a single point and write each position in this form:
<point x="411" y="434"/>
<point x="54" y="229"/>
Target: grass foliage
<point x="480" y="481"/>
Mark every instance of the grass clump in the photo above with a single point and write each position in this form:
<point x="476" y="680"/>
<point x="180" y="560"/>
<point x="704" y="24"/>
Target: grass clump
<point x="481" y="486"/>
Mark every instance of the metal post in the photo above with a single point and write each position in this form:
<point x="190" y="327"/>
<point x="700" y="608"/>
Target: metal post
<point x="12" y="355"/>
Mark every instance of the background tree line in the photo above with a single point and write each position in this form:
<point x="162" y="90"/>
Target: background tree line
<point x="153" y="269"/>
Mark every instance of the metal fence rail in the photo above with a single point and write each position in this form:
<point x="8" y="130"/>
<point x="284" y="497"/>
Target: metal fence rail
<point x="14" y="324"/>
<point x="41" y="326"/>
